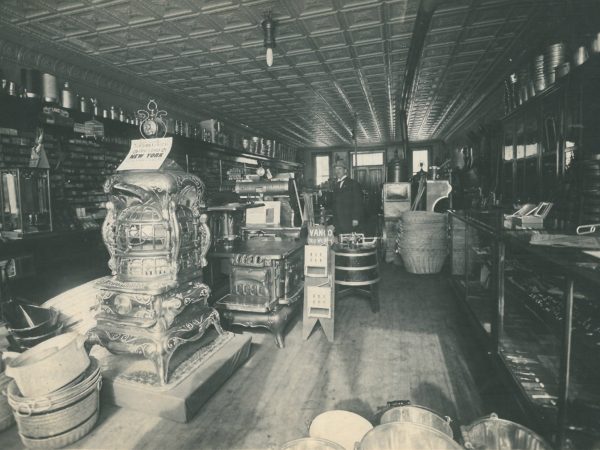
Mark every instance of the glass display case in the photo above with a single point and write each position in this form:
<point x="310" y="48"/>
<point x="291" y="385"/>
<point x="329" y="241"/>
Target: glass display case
<point x="537" y="309"/>
<point x="25" y="202"/>
<point x="549" y="337"/>
<point x="473" y="264"/>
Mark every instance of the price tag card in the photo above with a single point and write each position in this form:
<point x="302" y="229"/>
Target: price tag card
<point x="146" y="154"/>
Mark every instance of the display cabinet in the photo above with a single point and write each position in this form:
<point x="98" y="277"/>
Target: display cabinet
<point x="24" y="201"/>
<point x="538" y="313"/>
<point x="473" y="263"/>
<point x="549" y="336"/>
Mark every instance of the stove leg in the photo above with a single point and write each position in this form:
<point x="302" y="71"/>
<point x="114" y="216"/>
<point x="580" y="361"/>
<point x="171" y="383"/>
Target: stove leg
<point x="161" y="362"/>
<point x="276" y="324"/>
<point x="278" y="338"/>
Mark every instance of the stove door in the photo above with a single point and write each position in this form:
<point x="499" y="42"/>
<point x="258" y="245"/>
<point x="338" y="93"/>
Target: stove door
<point x="253" y="288"/>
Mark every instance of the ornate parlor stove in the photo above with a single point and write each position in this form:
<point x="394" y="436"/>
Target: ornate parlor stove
<point x="157" y="238"/>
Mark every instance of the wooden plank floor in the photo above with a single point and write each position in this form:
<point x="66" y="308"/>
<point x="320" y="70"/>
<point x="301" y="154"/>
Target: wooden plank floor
<point x="418" y="347"/>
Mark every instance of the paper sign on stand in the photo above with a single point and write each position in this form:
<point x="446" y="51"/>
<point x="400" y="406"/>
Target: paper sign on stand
<point x="146" y="154"/>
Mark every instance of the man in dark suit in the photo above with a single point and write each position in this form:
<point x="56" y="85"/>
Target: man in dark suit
<point x="347" y="201"/>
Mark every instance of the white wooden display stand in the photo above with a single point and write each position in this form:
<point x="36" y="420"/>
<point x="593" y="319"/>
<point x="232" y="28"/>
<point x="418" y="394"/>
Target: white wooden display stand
<point x="319" y="290"/>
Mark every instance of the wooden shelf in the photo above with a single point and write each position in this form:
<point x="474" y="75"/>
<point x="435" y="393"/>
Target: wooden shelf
<point x="25" y="114"/>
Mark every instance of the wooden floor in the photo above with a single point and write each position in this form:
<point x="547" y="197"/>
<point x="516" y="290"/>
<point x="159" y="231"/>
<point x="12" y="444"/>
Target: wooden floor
<point x="418" y="347"/>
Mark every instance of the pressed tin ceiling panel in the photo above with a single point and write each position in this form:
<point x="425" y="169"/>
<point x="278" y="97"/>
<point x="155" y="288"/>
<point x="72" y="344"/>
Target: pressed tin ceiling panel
<point x="339" y="64"/>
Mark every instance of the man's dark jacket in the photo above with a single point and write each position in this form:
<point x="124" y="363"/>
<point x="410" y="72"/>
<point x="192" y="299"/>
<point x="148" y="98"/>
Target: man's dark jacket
<point x="347" y="205"/>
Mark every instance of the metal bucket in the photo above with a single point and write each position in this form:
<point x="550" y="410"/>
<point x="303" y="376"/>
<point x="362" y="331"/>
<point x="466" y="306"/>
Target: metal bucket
<point x="419" y="415"/>
<point x="406" y="436"/>
<point x="311" y="443"/>
<point x="356" y="266"/>
<point x="345" y="428"/>
<point x="492" y="433"/>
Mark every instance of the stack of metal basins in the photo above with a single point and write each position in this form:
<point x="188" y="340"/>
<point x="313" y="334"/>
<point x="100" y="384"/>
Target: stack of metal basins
<point x="510" y="93"/>
<point x="554" y="56"/>
<point x="493" y="433"/>
<point x="590" y="174"/>
<point x="526" y="86"/>
<point x="409" y="427"/>
<point x="55" y="392"/>
<point x="30" y="325"/>
<point x="539" y="78"/>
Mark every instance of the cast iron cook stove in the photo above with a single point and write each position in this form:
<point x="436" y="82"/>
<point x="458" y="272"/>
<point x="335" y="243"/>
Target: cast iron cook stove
<point x="265" y="284"/>
<point x="157" y="238"/>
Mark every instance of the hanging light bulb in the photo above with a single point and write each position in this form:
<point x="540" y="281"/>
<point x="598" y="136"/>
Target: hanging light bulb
<point x="268" y="26"/>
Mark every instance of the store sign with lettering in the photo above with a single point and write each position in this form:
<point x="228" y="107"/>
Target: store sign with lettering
<point x="320" y="235"/>
<point x="147" y="154"/>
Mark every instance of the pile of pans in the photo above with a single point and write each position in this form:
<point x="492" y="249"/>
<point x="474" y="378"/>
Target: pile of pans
<point x="61" y="417"/>
<point x="407" y="427"/>
<point x="539" y="77"/>
<point x="493" y="433"/>
<point x="55" y="392"/>
<point x="554" y="56"/>
<point x="546" y="63"/>
<point x="30" y="325"/>
<point x="526" y="88"/>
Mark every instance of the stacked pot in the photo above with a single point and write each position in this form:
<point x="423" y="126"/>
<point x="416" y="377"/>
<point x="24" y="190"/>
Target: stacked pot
<point x="423" y="241"/>
<point x="55" y="392"/>
<point x="554" y="56"/>
<point x="30" y="325"/>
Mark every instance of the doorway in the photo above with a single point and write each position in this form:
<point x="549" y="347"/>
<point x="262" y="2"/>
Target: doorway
<point x="368" y="170"/>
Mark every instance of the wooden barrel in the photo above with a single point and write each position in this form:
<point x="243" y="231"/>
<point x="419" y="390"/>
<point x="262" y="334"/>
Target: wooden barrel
<point x="356" y="266"/>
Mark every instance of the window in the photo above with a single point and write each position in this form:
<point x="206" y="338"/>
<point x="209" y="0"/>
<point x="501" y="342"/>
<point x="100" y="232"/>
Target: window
<point x="418" y="157"/>
<point x="321" y="169"/>
<point x="367" y="159"/>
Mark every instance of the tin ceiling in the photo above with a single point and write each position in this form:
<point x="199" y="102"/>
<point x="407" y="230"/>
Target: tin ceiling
<point x="338" y="63"/>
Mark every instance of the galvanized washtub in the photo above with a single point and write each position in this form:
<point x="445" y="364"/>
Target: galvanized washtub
<point x="406" y="436"/>
<point x="493" y="433"/>
<point x="419" y="415"/>
<point x="311" y="443"/>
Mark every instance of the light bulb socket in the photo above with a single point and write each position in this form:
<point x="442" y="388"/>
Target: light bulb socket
<point x="268" y="26"/>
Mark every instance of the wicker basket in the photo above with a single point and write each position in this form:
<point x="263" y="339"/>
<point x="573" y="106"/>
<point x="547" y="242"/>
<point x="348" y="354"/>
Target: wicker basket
<point x="6" y="415"/>
<point x="422" y="241"/>
<point x="423" y="260"/>
<point x="426" y="217"/>
<point x="434" y="242"/>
